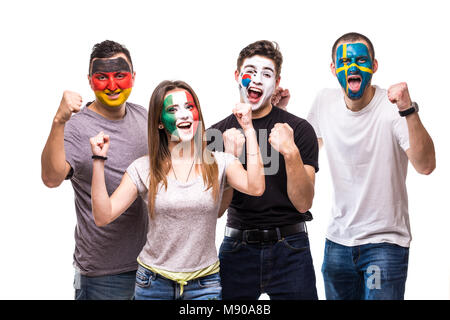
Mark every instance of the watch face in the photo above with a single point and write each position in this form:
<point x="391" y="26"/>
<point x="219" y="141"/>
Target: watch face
<point x="415" y="106"/>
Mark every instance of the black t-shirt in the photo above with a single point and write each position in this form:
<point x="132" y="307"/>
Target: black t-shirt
<point x="273" y="208"/>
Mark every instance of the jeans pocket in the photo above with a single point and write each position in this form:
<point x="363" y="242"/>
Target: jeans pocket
<point x="212" y="280"/>
<point x="230" y="245"/>
<point x="297" y="242"/>
<point x="143" y="277"/>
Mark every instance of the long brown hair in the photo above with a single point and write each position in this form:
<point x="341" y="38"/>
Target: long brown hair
<point x="158" y="145"/>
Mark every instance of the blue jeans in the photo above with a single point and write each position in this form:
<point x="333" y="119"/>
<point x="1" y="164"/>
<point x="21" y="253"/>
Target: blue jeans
<point x="366" y="272"/>
<point x="152" y="286"/>
<point x="283" y="270"/>
<point x="110" y="287"/>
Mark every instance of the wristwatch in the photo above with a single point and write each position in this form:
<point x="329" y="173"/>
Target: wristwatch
<point x="414" y="108"/>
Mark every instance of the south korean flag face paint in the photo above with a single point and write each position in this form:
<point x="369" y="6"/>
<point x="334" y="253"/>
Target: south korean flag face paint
<point x="257" y="81"/>
<point x="180" y="115"/>
<point x="354" y="68"/>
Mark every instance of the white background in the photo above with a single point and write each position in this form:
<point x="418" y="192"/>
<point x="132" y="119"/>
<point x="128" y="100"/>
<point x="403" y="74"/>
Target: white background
<point x="45" y="48"/>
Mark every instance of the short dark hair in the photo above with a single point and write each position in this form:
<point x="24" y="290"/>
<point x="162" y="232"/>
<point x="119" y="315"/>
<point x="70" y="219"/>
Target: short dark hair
<point x="265" y="48"/>
<point x="107" y="49"/>
<point x="352" y="37"/>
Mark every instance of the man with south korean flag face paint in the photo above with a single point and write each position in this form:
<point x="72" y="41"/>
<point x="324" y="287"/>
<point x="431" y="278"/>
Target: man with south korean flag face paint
<point x="369" y="134"/>
<point x="105" y="258"/>
<point x="276" y="221"/>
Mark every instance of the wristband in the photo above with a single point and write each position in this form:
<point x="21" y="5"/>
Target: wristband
<point x="99" y="157"/>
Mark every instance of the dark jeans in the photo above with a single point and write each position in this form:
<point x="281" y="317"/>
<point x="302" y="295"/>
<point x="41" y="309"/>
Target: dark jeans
<point x="283" y="270"/>
<point x="366" y="272"/>
<point x="109" y="287"/>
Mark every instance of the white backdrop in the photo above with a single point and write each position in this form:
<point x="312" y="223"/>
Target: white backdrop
<point x="45" y="49"/>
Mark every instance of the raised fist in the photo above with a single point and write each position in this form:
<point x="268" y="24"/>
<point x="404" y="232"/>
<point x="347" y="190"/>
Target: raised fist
<point x="100" y="144"/>
<point x="280" y="98"/>
<point x="243" y="113"/>
<point x="233" y="140"/>
<point x="281" y="138"/>
<point x="399" y="94"/>
<point x="70" y="103"/>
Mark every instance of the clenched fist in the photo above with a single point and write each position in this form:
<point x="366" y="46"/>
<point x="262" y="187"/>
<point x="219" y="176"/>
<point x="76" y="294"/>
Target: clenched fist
<point x="399" y="94"/>
<point x="282" y="138"/>
<point x="70" y="103"/>
<point x="243" y="113"/>
<point x="100" y="144"/>
<point x="233" y="140"/>
<point x="280" y="98"/>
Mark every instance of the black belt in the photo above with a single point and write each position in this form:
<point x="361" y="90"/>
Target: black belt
<point x="266" y="235"/>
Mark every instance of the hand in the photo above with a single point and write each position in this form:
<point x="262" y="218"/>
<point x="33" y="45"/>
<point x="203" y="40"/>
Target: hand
<point x="100" y="144"/>
<point x="280" y="98"/>
<point x="70" y="103"/>
<point x="399" y="94"/>
<point x="282" y="138"/>
<point x="243" y="113"/>
<point x="233" y="140"/>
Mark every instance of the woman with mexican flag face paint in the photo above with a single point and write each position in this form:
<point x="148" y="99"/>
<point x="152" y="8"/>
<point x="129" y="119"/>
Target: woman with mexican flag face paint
<point x="182" y="183"/>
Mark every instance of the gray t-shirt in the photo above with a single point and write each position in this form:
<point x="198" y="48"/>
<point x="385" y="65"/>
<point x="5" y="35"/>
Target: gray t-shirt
<point x="111" y="249"/>
<point x="181" y="235"/>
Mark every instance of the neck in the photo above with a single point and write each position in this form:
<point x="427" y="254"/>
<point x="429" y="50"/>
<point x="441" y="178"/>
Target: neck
<point x="262" y="111"/>
<point x="361" y="103"/>
<point x="110" y="113"/>
<point x="180" y="150"/>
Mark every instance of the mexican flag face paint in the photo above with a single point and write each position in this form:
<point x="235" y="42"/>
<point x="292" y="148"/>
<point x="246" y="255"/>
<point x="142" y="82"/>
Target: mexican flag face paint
<point x="180" y="114"/>
<point x="111" y="80"/>
<point x="354" y="68"/>
<point x="257" y="81"/>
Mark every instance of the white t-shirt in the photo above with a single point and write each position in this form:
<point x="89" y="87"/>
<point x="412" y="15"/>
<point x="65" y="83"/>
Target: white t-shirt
<point x="368" y="164"/>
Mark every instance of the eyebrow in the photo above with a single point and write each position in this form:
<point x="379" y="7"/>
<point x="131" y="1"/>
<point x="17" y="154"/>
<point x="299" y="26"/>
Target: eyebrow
<point x="254" y="67"/>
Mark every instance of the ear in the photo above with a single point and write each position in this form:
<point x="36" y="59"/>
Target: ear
<point x="375" y="65"/>
<point x="236" y="75"/>
<point x="333" y="68"/>
<point x="277" y="82"/>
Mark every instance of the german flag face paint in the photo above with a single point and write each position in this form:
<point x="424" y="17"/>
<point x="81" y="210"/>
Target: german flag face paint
<point x="180" y="115"/>
<point x="111" y="80"/>
<point x="354" y="68"/>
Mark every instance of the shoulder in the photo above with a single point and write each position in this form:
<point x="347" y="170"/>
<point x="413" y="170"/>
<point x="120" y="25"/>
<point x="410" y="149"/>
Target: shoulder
<point x="327" y="96"/>
<point x="227" y="123"/>
<point x="135" y="108"/>
<point x="141" y="163"/>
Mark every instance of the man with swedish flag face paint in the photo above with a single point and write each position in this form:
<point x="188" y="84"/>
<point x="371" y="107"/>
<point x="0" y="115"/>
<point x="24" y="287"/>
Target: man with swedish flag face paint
<point x="369" y="134"/>
<point x="105" y="258"/>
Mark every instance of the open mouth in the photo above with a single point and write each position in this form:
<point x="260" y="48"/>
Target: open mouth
<point x="354" y="82"/>
<point x="254" y="94"/>
<point x="184" y="125"/>
<point x="113" y="95"/>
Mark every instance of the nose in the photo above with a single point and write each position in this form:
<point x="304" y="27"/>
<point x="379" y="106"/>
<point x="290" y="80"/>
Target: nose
<point x="353" y="68"/>
<point x="112" y="86"/>
<point x="256" y="78"/>
<point x="183" y="114"/>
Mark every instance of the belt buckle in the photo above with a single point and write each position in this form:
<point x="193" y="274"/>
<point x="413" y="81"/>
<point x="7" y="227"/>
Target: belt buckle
<point x="246" y="233"/>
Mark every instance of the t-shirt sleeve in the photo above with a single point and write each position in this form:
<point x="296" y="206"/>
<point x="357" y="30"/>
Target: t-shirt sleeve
<point x="73" y="145"/>
<point x="138" y="173"/>
<point x="306" y="141"/>
<point x="401" y="132"/>
<point x="313" y="116"/>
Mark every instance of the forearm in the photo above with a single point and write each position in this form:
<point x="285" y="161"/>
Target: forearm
<point x="255" y="169"/>
<point x="421" y="148"/>
<point x="53" y="159"/>
<point x="300" y="187"/>
<point x="101" y="202"/>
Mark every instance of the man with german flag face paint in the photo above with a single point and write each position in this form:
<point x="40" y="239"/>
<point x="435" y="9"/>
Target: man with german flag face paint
<point x="112" y="80"/>
<point x="110" y="273"/>
<point x="369" y="134"/>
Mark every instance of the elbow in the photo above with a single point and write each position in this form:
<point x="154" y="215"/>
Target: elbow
<point x="100" y="222"/>
<point x="427" y="171"/>
<point x="51" y="183"/>
<point x="304" y="207"/>
<point x="258" y="191"/>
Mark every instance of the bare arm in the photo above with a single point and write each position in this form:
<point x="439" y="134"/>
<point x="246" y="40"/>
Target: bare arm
<point x="421" y="151"/>
<point x="54" y="167"/>
<point x="300" y="177"/>
<point x="421" y="148"/>
<point x="105" y="208"/>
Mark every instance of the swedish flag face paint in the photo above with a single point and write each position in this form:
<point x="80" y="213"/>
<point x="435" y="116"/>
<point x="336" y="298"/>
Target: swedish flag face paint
<point x="354" y="68"/>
